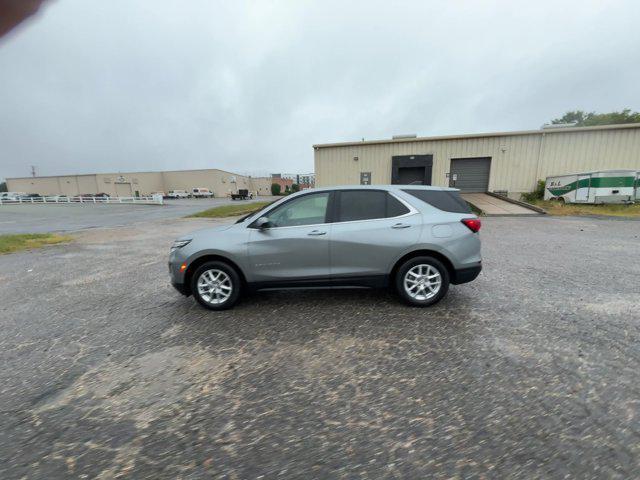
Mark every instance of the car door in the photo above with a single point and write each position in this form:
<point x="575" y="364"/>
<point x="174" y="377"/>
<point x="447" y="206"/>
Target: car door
<point x="295" y="245"/>
<point x="371" y="229"/>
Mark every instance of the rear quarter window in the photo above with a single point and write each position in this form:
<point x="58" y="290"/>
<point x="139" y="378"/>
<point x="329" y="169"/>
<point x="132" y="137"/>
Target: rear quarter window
<point x="448" y="201"/>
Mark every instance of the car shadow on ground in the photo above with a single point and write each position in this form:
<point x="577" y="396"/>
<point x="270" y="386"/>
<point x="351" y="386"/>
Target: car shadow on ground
<point x="297" y="315"/>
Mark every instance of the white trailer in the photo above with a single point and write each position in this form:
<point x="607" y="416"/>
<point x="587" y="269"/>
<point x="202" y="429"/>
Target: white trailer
<point x="604" y="186"/>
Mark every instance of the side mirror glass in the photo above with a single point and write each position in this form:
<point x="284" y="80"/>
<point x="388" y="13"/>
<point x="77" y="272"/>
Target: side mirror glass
<point x="262" y="222"/>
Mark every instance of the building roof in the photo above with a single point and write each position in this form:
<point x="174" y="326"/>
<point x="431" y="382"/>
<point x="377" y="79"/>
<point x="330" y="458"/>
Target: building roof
<point x="134" y="173"/>
<point x="543" y="131"/>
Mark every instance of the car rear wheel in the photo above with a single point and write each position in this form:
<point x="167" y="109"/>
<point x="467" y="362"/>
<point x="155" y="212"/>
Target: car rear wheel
<point x="216" y="285"/>
<point x="422" y="281"/>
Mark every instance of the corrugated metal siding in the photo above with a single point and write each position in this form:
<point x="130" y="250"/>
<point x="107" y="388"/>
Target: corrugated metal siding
<point x="44" y="186"/>
<point x="146" y="183"/>
<point x="517" y="161"/>
<point x="584" y="151"/>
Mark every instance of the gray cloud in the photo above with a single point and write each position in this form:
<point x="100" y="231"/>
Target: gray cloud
<point x="250" y="86"/>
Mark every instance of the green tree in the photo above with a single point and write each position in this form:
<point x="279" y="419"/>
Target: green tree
<point x="589" y="119"/>
<point x="3" y="187"/>
<point x="275" y="189"/>
<point x="295" y="188"/>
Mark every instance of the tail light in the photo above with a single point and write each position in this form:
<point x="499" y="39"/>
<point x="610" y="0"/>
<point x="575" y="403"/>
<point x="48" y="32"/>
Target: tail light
<point x="472" y="224"/>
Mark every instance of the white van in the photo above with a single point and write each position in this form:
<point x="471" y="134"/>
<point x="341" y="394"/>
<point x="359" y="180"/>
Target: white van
<point x="200" y="192"/>
<point x="178" y="194"/>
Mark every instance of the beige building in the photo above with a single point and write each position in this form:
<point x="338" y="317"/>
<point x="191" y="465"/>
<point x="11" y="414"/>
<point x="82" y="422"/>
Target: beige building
<point x="125" y="184"/>
<point x="510" y="162"/>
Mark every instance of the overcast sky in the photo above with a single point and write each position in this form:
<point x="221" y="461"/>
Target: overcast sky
<point x="119" y="85"/>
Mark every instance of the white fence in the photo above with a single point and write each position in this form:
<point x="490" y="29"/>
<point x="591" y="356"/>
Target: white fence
<point x="61" y="199"/>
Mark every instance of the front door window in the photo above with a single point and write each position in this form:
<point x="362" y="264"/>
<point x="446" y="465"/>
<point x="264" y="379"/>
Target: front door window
<point x="306" y="210"/>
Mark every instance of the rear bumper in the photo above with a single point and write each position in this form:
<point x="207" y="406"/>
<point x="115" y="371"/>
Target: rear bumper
<point x="465" y="275"/>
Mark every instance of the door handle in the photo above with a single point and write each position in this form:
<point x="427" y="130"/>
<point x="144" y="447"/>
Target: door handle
<point x="401" y="225"/>
<point x="316" y="233"/>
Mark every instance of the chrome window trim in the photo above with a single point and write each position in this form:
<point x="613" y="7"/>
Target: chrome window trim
<point x="284" y="202"/>
<point x="412" y="211"/>
<point x="292" y="226"/>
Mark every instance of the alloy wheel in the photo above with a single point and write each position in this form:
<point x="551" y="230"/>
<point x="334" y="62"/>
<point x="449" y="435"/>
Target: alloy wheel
<point x="422" y="282"/>
<point x="215" y="286"/>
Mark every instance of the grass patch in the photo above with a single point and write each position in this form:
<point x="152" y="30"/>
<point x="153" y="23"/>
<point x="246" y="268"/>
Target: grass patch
<point x="558" y="208"/>
<point x="232" y="210"/>
<point x="475" y="209"/>
<point x="26" y="241"/>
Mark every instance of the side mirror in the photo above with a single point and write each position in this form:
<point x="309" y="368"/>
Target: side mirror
<point x="262" y="223"/>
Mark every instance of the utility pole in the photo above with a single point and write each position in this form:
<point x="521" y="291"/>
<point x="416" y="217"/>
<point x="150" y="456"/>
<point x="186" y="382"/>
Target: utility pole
<point x="33" y="170"/>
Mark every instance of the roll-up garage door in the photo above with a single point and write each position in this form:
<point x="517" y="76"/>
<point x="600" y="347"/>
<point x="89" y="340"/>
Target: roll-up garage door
<point x="470" y="174"/>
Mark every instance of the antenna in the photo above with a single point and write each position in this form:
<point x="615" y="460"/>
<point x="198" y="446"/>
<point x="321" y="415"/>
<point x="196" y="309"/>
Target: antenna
<point x="33" y="170"/>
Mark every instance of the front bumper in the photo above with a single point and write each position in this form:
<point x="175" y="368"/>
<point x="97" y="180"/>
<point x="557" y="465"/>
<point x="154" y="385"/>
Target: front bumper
<point x="177" y="276"/>
<point x="465" y="275"/>
<point x="182" y="288"/>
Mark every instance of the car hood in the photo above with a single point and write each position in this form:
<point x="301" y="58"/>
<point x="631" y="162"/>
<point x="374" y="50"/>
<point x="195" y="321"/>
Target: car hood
<point x="206" y="231"/>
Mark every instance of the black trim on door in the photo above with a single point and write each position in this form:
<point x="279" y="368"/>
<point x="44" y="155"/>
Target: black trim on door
<point x="368" y="281"/>
<point x="332" y="207"/>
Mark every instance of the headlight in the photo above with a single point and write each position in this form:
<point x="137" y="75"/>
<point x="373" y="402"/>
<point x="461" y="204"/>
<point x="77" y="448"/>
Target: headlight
<point x="179" y="244"/>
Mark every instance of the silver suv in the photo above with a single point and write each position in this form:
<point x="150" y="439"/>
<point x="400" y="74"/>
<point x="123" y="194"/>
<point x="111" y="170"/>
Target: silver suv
<point x="417" y="239"/>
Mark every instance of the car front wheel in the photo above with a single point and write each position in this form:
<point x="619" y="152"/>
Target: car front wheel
<point x="216" y="285"/>
<point x="422" y="281"/>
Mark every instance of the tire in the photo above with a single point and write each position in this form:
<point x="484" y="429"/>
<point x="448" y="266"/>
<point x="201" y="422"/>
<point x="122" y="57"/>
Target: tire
<point x="425" y="292"/>
<point x="217" y="275"/>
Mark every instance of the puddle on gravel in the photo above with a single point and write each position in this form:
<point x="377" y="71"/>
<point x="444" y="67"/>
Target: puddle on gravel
<point x="146" y="387"/>
<point x="616" y="306"/>
<point x="153" y="385"/>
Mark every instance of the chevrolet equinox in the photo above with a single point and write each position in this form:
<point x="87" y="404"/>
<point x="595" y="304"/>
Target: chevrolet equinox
<point x="416" y="239"/>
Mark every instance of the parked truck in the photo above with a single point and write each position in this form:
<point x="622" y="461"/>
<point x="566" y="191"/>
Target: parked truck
<point x="604" y="186"/>
<point x="243" y="194"/>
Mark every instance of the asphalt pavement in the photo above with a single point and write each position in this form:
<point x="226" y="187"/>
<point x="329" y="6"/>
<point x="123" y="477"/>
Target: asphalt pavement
<point x="42" y="218"/>
<point x="531" y="371"/>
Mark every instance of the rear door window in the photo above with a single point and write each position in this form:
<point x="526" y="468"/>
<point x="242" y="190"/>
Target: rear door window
<point x="448" y="201"/>
<point x="361" y="205"/>
<point x="356" y="205"/>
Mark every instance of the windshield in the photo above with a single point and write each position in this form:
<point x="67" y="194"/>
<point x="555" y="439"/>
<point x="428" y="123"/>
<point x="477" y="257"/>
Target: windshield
<point x="242" y="219"/>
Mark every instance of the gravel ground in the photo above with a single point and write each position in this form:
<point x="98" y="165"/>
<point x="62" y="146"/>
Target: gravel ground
<point x="529" y="372"/>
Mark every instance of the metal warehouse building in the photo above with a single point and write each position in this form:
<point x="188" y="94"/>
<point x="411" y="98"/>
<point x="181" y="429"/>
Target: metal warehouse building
<point x="509" y="162"/>
<point x="125" y="184"/>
